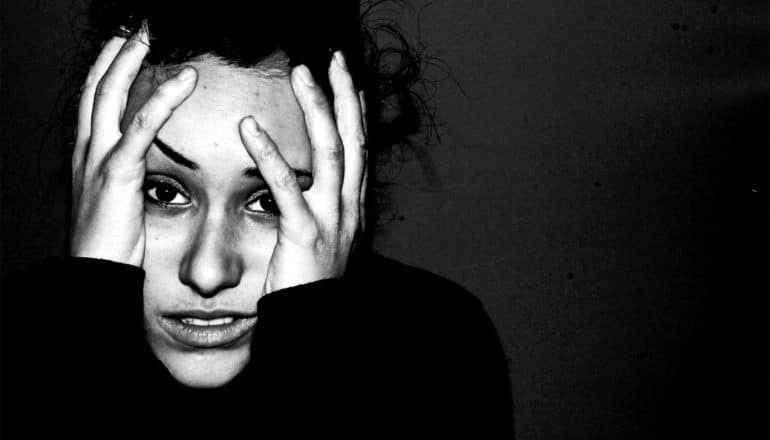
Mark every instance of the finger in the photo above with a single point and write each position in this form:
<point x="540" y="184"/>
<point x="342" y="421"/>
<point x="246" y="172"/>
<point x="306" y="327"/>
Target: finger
<point x="362" y="199"/>
<point x="111" y="94"/>
<point x="276" y="172"/>
<point x="86" y="102"/>
<point x="327" y="147"/>
<point x="365" y="177"/>
<point x="348" y="112"/>
<point x="362" y="103"/>
<point x="149" y="119"/>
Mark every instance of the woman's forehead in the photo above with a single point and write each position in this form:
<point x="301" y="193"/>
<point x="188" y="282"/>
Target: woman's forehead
<point x="224" y="95"/>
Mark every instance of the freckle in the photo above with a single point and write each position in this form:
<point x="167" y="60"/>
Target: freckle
<point x="714" y="9"/>
<point x="675" y="26"/>
<point x="597" y="184"/>
<point x="684" y="28"/>
<point x="205" y="87"/>
<point x="710" y="49"/>
<point x="570" y="275"/>
<point x="401" y="218"/>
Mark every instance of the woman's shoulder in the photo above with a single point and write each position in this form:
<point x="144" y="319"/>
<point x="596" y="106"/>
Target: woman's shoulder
<point x="406" y="282"/>
<point x="436" y="344"/>
<point x="415" y="295"/>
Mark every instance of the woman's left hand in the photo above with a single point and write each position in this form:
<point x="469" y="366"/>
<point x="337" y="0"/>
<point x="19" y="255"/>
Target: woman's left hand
<point x="317" y="229"/>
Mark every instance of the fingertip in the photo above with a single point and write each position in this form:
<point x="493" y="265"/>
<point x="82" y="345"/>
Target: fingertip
<point x="250" y="126"/>
<point x="140" y="39"/>
<point x="302" y="74"/>
<point x="339" y="58"/>
<point x="143" y="34"/>
<point x="188" y="73"/>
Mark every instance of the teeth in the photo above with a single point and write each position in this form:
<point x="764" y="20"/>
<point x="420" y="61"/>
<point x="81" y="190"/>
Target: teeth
<point x="207" y="322"/>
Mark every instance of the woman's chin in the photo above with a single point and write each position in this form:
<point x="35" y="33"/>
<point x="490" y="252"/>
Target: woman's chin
<point x="205" y="368"/>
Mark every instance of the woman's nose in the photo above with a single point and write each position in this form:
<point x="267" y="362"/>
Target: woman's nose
<point x="212" y="262"/>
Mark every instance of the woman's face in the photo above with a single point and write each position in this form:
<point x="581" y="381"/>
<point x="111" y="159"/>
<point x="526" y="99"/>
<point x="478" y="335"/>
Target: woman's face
<point x="210" y="222"/>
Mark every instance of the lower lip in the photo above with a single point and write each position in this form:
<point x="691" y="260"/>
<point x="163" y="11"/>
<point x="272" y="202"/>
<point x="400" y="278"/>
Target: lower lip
<point x="208" y="336"/>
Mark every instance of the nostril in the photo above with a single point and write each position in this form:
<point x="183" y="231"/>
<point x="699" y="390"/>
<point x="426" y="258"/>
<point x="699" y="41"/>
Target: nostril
<point x="210" y="272"/>
<point x="212" y="261"/>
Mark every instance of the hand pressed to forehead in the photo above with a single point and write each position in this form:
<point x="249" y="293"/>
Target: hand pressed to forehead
<point x="223" y="95"/>
<point x="317" y="229"/>
<point x="108" y="165"/>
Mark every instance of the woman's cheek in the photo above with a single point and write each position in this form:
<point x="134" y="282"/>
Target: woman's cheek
<point x="256" y="241"/>
<point x="166" y="238"/>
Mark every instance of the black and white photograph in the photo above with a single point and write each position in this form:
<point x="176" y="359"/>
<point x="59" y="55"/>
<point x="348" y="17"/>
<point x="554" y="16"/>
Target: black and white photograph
<point x="435" y="219"/>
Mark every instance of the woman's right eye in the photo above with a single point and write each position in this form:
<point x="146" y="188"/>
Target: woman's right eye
<point x="165" y="193"/>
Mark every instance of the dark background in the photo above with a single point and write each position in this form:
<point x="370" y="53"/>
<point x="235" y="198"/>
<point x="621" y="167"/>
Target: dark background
<point x="602" y="186"/>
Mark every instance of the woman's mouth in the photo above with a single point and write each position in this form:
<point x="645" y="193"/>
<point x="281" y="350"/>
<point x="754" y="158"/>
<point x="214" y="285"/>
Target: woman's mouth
<point x="207" y="330"/>
<point x="207" y="323"/>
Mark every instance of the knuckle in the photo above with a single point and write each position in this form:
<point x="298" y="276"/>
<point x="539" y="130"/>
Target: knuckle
<point x="102" y="87"/>
<point x="266" y="153"/>
<point x="110" y="83"/>
<point x="90" y="83"/>
<point x="112" y="172"/>
<point x="358" y="139"/>
<point x="335" y="152"/>
<point x="319" y="101"/>
<point x="109" y="169"/>
<point x="143" y="120"/>
<point x="285" y="181"/>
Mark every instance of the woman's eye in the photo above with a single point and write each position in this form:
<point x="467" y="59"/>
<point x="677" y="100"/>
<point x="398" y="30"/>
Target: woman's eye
<point x="164" y="193"/>
<point x="263" y="203"/>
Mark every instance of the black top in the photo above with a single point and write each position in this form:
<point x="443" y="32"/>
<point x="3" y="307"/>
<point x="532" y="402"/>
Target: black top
<point x="388" y="351"/>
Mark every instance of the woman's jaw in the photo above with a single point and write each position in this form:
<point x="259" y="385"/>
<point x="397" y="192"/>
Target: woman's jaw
<point x="202" y="367"/>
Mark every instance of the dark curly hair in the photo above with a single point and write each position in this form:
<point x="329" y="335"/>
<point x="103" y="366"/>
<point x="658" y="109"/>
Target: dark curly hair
<point x="382" y="61"/>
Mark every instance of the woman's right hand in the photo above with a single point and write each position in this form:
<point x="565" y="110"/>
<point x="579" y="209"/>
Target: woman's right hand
<point x="108" y="166"/>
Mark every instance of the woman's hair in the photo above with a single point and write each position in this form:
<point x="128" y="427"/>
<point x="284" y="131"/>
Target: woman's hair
<point x="273" y="36"/>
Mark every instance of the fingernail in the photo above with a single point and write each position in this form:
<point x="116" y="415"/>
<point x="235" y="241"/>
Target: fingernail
<point x="340" y="59"/>
<point x="186" y="74"/>
<point x="143" y="33"/>
<point x="304" y="75"/>
<point x="252" y="128"/>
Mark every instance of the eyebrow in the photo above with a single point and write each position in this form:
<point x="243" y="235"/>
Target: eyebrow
<point x="174" y="155"/>
<point x="251" y="172"/>
<point x="254" y="173"/>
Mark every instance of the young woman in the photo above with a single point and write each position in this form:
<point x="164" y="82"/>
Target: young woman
<point x="218" y="281"/>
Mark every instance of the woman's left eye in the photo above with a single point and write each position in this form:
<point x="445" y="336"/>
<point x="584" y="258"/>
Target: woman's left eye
<point x="165" y="194"/>
<point x="263" y="203"/>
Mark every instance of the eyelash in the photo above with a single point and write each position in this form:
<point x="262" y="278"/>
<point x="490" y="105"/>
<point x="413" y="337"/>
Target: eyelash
<point x="155" y="182"/>
<point x="271" y="211"/>
<point x="163" y="182"/>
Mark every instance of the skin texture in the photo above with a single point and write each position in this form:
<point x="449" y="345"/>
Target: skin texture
<point x="212" y="237"/>
<point x="214" y="254"/>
